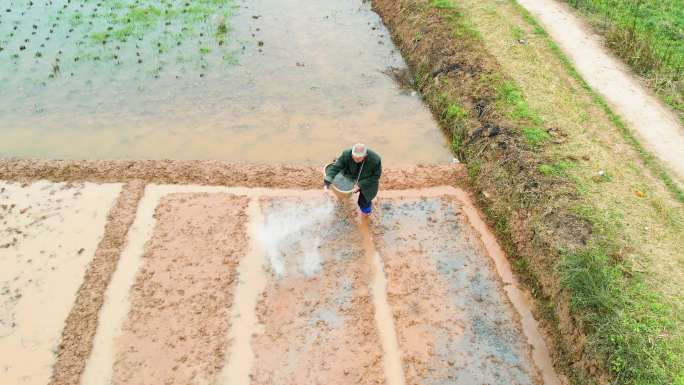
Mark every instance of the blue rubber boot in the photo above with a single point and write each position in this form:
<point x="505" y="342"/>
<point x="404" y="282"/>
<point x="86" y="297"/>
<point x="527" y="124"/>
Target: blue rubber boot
<point x="366" y="210"/>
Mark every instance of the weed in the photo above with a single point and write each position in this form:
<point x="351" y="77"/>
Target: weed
<point x="518" y="33"/>
<point x="456" y="142"/>
<point x="511" y="96"/>
<point x="535" y="135"/>
<point x="455" y="112"/>
<point x="557" y="169"/>
<point x="474" y="169"/>
<point x="442" y="4"/>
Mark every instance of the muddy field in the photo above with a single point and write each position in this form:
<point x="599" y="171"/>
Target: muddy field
<point x="235" y="285"/>
<point x="221" y="79"/>
<point x="49" y="234"/>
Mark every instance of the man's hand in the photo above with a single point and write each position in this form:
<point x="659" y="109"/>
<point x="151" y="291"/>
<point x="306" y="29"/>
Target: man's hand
<point x="355" y="189"/>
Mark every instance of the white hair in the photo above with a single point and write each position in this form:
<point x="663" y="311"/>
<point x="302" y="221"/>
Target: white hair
<point x="359" y="150"/>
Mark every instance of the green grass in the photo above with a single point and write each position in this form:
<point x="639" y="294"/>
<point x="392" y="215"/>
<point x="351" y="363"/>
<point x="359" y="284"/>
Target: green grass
<point x="629" y="323"/>
<point x="535" y="135"/>
<point x="630" y="327"/>
<point x="556" y="169"/>
<point x="442" y="4"/>
<point x="511" y="96"/>
<point x="651" y="162"/>
<point x="454" y="111"/>
<point x="648" y="35"/>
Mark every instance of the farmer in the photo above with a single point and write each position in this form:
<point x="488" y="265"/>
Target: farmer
<point x="361" y="165"/>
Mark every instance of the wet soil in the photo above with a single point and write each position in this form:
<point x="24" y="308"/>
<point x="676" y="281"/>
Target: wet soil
<point x="454" y="322"/>
<point x="316" y="311"/>
<point x="176" y="331"/>
<point x="304" y="73"/>
<point x="82" y="322"/>
<point x="317" y="317"/>
<point x="216" y="173"/>
<point x="49" y="234"/>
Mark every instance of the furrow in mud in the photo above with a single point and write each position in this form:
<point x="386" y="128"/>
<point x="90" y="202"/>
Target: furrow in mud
<point x="176" y="329"/>
<point x="81" y="324"/>
<point x="243" y="319"/>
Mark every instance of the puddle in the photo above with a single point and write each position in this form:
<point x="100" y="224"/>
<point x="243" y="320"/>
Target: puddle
<point x="48" y="237"/>
<point x="318" y="325"/>
<point x="314" y="75"/>
<point x="243" y="321"/>
<point x="287" y="227"/>
<point x="394" y="373"/>
<point x="451" y="299"/>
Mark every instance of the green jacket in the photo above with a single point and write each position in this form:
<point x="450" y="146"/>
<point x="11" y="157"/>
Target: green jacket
<point x="370" y="175"/>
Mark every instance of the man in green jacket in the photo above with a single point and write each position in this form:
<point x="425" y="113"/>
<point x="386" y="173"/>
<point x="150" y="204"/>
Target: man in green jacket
<point x="362" y="165"/>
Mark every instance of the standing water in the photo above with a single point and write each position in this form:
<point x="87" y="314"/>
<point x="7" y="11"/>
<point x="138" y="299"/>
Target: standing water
<point x="206" y="80"/>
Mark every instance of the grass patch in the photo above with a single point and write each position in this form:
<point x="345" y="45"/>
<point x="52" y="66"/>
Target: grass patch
<point x="442" y="4"/>
<point x="651" y="162"/>
<point x="455" y="112"/>
<point x="648" y="35"/>
<point x="511" y="96"/>
<point x="629" y="323"/>
<point x="535" y="135"/>
<point x="557" y="169"/>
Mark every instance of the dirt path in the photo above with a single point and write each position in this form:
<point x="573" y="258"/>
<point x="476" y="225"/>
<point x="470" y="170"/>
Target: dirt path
<point x="656" y="126"/>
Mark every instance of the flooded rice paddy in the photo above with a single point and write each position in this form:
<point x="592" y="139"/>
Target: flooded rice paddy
<point x="258" y="81"/>
<point x="221" y="285"/>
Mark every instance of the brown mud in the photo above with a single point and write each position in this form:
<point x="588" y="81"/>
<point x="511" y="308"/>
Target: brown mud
<point x="79" y="330"/>
<point x="453" y="320"/>
<point x="176" y="331"/>
<point x="316" y="311"/>
<point x="49" y="234"/>
<point x="334" y="308"/>
<point x="214" y="173"/>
